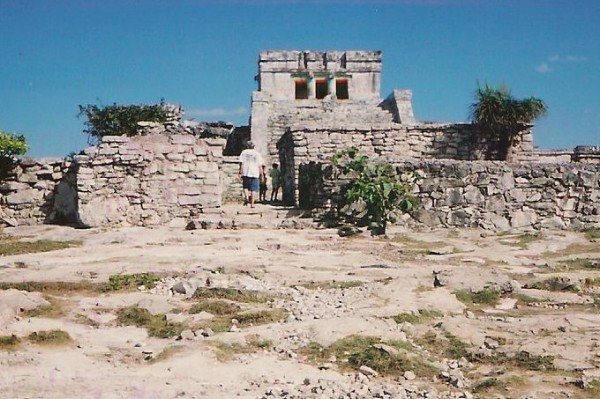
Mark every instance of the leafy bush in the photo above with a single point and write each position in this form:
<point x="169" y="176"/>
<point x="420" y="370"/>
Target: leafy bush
<point x="373" y="195"/>
<point x="116" y="120"/>
<point x="11" y="145"/>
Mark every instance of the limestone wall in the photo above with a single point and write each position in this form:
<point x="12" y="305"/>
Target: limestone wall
<point x="148" y="180"/>
<point x="27" y="195"/>
<point x="491" y="195"/>
<point x="232" y="183"/>
<point x="307" y="142"/>
<point x="142" y="180"/>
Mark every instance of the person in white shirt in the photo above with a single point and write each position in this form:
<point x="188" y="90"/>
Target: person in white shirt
<point x="251" y="172"/>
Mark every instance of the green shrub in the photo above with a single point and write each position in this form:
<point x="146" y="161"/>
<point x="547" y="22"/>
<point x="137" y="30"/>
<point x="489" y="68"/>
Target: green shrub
<point x="373" y="195"/>
<point x="11" y="145"/>
<point x="116" y="120"/>
<point x="156" y="325"/>
<point x="118" y="282"/>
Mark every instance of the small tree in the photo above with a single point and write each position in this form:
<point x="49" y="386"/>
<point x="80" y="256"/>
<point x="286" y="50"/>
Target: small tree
<point x="499" y="117"/>
<point x="11" y="145"/>
<point x="116" y="120"/>
<point x="373" y="195"/>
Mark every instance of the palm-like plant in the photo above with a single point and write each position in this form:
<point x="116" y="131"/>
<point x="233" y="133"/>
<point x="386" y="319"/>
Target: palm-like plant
<point x="499" y="116"/>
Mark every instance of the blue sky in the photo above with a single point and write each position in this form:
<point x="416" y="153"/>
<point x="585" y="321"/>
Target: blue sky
<point x="55" y="55"/>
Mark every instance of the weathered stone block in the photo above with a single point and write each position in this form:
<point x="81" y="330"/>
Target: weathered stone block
<point x="184" y="139"/>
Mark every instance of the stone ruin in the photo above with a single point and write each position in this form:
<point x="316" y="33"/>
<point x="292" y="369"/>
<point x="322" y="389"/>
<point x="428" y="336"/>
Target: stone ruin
<point x="308" y="105"/>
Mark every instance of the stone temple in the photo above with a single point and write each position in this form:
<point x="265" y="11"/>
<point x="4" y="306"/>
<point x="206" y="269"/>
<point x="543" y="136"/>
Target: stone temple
<point x="308" y="105"/>
<point x="331" y="88"/>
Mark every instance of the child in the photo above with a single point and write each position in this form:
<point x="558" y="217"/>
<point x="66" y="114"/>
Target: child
<point x="275" y="175"/>
<point x="262" y="195"/>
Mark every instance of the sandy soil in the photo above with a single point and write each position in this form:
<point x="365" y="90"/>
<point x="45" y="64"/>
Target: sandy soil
<point x="329" y="287"/>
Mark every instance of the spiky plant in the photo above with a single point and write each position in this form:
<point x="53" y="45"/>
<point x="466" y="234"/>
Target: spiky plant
<point x="499" y="117"/>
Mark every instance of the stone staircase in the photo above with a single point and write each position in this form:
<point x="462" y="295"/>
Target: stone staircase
<point x="262" y="216"/>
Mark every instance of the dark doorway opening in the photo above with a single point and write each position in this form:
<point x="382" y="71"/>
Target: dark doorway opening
<point x="321" y="88"/>
<point x="301" y="89"/>
<point x="341" y="89"/>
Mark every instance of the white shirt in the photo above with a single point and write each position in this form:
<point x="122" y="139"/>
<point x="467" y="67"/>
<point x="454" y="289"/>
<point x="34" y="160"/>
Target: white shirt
<point x="251" y="161"/>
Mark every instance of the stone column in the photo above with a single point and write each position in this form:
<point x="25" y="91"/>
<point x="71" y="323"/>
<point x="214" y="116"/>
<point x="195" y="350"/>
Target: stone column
<point x="331" y="89"/>
<point x="311" y="87"/>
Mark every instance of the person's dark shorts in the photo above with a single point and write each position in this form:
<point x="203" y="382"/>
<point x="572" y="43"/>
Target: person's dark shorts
<point x="250" y="183"/>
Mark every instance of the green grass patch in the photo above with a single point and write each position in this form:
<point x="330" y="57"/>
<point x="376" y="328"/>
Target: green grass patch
<point x="578" y="264"/>
<point x="8" y="342"/>
<point x="118" y="282"/>
<point x="389" y="358"/>
<point x="483" y="297"/>
<point x="233" y="294"/>
<point x="523" y="360"/>
<point x="255" y="341"/>
<point x="554" y="284"/>
<point x="10" y="245"/>
<point x="592" y="282"/>
<point x="328" y="285"/>
<point x="447" y="345"/>
<point x="156" y="325"/>
<point x="422" y="316"/>
<point x="487" y="384"/>
<point x="50" y="287"/>
<point x="50" y="337"/>
<point x="260" y="317"/>
<point x="592" y="234"/>
<point x="216" y="307"/>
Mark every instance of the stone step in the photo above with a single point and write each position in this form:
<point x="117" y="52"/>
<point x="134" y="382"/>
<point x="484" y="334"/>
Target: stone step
<point x="238" y="216"/>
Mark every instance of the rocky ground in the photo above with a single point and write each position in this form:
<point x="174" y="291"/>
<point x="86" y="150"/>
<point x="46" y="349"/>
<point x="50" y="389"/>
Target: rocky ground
<point x="277" y="308"/>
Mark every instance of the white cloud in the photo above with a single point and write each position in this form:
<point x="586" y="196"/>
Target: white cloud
<point x="575" y="58"/>
<point x="554" y="58"/>
<point x="543" y="68"/>
<point x="216" y="112"/>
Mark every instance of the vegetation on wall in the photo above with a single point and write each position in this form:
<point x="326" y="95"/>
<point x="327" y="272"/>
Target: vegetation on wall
<point x="499" y="117"/>
<point x="11" y="145"/>
<point x="373" y="195"/>
<point x="116" y="119"/>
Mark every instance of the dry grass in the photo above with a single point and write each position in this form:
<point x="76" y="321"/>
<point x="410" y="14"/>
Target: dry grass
<point x="156" y="325"/>
<point x="54" y="310"/>
<point x="329" y="285"/>
<point x="245" y="319"/>
<point x="522" y="241"/>
<point x="572" y="250"/>
<point x="216" y="307"/>
<point x="117" y="282"/>
<point x="51" y="338"/>
<point x="10" y="245"/>
<point x="389" y="358"/>
<point x="421" y="316"/>
<point x="414" y="246"/>
<point x="473" y="299"/>
<point x="9" y="342"/>
<point x="233" y="294"/>
<point x="165" y="354"/>
<point x="446" y="345"/>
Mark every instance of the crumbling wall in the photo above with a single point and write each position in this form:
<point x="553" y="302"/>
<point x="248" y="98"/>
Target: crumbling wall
<point x="142" y="180"/>
<point x="308" y="142"/>
<point x="148" y="180"/>
<point x="488" y="194"/>
<point x="27" y="194"/>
